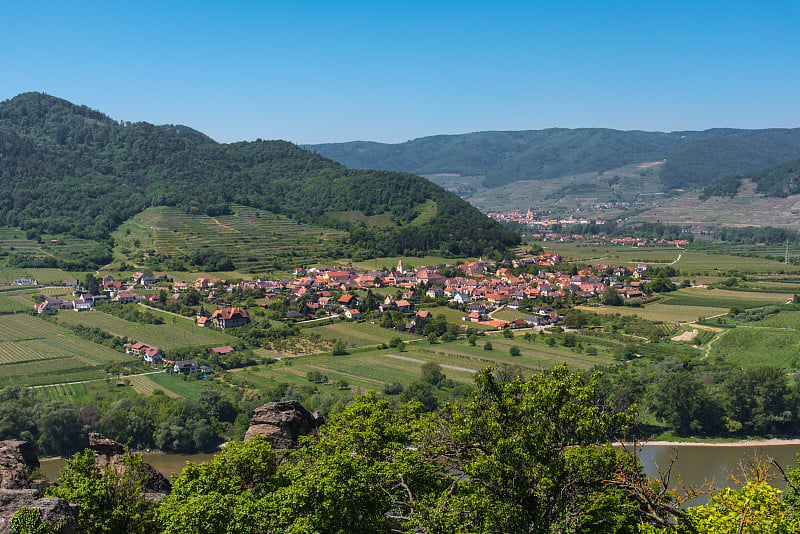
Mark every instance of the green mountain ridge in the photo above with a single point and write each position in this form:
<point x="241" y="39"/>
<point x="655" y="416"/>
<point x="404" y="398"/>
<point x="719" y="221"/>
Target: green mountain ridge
<point x="70" y="169"/>
<point x="693" y="158"/>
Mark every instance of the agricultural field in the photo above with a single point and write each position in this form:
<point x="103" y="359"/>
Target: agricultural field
<point x="255" y="240"/>
<point x="145" y="385"/>
<point x="175" y="332"/>
<point x="15" y="302"/>
<point x="358" y="334"/>
<point x="43" y="276"/>
<point x="757" y="346"/>
<point x="34" y="351"/>
<point x="371" y="369"/>
<point x="690" y="262"/>
<point x="719" y="298"/>
<point x="178" y="386"/>
<point x="786" y="319"/>
<point x="660" y="312"/>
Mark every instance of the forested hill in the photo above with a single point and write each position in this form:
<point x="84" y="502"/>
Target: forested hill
<point x="692" y="158"/>
<point x="775" y="181"/>
<point x="70" y="169"/>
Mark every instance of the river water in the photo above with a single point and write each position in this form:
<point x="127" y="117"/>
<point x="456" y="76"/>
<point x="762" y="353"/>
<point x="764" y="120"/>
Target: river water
<point x="693" y="465"/>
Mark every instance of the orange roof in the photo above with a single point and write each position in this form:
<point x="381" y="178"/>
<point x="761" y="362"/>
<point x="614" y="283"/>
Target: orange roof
<point x="228" y="313"/>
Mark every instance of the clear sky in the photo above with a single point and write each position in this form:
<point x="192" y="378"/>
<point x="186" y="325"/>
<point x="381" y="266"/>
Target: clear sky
<point x="313" y="72"/>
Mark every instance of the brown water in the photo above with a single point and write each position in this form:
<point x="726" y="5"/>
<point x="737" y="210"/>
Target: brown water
<point x="696" y="464"/>
<point x="693" y="465"/>
<point x="166" y="463"/>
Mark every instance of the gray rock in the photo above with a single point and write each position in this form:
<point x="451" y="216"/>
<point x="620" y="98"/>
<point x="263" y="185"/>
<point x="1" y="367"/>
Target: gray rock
<point x="17" y="491"/>
<point x="282" y="423"/>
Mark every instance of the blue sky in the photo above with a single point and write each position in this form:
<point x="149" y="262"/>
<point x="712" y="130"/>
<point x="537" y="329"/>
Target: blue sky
<point x="313" y="72"/>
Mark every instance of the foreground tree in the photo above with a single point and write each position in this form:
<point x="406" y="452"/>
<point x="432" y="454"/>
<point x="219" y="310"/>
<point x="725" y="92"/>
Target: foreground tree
<point x="111" y="500"/>
<point x="529" y="451"/>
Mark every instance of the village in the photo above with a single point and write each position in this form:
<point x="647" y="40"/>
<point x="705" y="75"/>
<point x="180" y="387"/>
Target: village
<point x="531" y="285"/>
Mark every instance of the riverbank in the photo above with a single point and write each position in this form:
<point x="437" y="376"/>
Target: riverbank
<point x="737" y="443"/>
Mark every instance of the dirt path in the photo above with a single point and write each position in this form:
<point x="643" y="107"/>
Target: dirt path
<point x="165" y="311"/>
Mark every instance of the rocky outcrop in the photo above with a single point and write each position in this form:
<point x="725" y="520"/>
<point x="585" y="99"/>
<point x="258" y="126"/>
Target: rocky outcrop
<point x="17" y="491"/>
<point x="109" y="456"/>
<point x="282" y="423"/>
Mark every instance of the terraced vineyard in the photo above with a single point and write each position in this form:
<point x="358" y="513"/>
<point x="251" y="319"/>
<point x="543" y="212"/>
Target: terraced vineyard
<point x="33" y="351"/>
<point x="255" y="240"/>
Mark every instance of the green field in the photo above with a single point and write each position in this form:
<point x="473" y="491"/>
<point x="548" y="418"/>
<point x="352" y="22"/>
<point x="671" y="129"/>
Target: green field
<point x="34" y="351"/>
<point x="718" y="298"/>
<point x="358" y="334"/>
<point x="371" y="369"/>
<point x="660" y="312"/>
<point x="178" y="386"/>
<point x="751" y="347"/>
<point x="691" y="262"/>
<point x="255" y="240"/>
<point x="175" y="332"/>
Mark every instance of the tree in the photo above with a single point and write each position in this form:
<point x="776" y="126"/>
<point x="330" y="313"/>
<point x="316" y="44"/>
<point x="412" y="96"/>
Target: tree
<point x="752" y="509"/>
<point x="514" y="351"/>
<point x="528" y="451"/>
<point x="487" y="346"/>
<point x="680" y="399"/>
<point x="507" y="333"/>
<point x="111" y="500"/>
<point x="472" y="340"/>
<point x="611" y="297"/>
<point x="221" y="496"/>
<point x="431" y="373"/>
<point x="339" y="348"/>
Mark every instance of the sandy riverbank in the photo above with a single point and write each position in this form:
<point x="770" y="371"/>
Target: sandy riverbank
<point x="741" y="443"/>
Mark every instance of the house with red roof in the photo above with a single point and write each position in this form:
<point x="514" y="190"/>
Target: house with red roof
<point x="230" y="318"/>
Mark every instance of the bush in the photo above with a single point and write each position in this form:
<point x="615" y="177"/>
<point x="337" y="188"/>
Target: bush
<point x="487" y="346"/>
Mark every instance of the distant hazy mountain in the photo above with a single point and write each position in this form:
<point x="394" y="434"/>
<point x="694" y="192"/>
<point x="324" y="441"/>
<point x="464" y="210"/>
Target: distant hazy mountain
<point x="70" y="169"/>
<point x="692" y="158"/>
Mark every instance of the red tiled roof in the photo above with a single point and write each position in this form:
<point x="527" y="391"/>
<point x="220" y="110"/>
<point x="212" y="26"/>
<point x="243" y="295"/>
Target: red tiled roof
<point x="228" y="313"/>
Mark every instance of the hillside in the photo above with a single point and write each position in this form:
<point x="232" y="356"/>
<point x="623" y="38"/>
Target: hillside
<point x="500" y="158"/>
<point x="70" y="169"/>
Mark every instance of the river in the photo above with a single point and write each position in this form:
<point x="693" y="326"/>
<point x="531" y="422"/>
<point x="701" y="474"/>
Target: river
<point x="694" y="463"/>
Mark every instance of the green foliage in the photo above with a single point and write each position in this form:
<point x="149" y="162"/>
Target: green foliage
<point x="111" y="500"/>
<point x="339" y="348"/>
<point x="527" y="449"/>
<point x="431" y="373"/>
<point x="505" y="157"/>
<point x="754" y="508"/>
<point x="221" y="496"/>
<point x="29" y="521"/>
<point x="724" y="186"/>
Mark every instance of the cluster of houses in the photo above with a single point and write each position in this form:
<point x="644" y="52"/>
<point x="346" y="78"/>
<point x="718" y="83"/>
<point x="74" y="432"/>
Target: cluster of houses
<point x="480" y="288"/>
<point x="153" y="356"/>
<point x="606" y="240"/>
